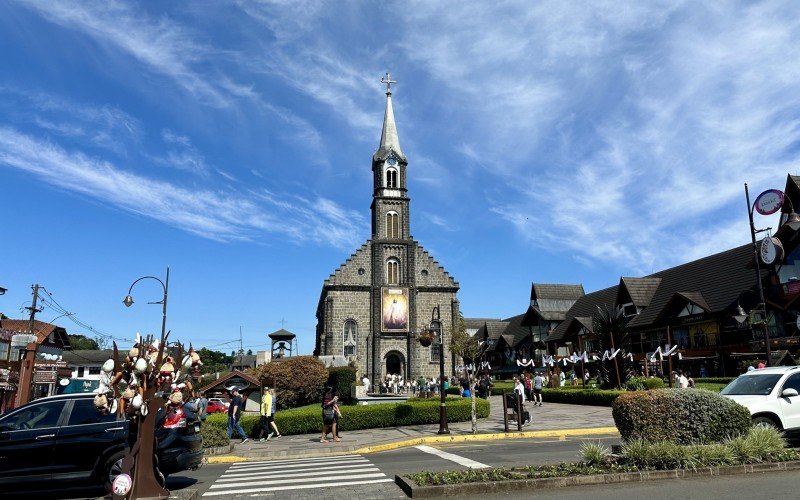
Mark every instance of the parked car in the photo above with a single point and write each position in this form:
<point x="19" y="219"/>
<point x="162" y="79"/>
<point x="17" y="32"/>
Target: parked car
<point x="771" y="394"/>
<point x="63" y="441"/>
<point x="215" y="407"/>
<point x="221" y="401"/>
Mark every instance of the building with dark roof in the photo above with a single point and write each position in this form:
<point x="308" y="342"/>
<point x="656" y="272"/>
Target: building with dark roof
<point x="695" y="305"/>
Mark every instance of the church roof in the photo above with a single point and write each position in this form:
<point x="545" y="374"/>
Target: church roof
<point x="390" y="141"/>
<point x="281" y="335"/>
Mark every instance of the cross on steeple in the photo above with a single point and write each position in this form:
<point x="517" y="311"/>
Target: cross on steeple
<point x="388" y="81"/>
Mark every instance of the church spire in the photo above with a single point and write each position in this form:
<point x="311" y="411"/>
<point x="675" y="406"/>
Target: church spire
<point x="390" y="142"/>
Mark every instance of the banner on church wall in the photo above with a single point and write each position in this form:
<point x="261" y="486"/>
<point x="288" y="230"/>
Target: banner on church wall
<point x="395" y="309"/>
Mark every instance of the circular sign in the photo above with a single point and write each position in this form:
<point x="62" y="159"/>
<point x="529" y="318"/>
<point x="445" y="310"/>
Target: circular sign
<point x="771" y="250"/>
<point x="122" y="485"/>
<point x="769" y="202"/>
<point x="63" y="382"/>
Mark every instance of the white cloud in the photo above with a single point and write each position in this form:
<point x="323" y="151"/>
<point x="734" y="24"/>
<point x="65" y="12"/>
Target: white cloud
<point x="168" y="48"/>
<point x="218" y="215"/>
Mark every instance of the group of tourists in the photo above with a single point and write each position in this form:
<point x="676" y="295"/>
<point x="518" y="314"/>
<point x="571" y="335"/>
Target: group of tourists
<point x="266" y="423"/>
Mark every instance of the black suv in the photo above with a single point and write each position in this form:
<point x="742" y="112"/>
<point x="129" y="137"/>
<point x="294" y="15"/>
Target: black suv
<point x="61" y="441"/>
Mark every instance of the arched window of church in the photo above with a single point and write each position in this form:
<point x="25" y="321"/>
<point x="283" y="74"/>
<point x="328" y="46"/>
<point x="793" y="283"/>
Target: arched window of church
<point x="392" y="225"/>
<point x="350" y="337"/>
<point x="393" y="272"/>
<point x="391" y="178"/>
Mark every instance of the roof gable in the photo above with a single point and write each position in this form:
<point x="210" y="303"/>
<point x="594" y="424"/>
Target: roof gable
<point x="585" y="307"/>
<point x="640" y="291"/>
<point x="714" y="283"/>
<point x="349" y="272"/>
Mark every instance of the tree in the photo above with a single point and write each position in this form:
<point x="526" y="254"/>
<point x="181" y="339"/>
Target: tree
<point x="469" y="349"/>
<point x="82" y="342"/>
<point x="249" y="352"/>
<point x="610" y="327"/>
<point x="297" y="380"/>
<point x="213" y="361"/>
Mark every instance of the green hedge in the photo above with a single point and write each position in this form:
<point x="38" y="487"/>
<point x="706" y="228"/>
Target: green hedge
<point x="679" y="415"/>
<point x="644" y="383"/>
<point x="715" y="380"/>
<point x="341" y="379"/>
<point x="308" y="419"/>
<point x="593" y="397"/>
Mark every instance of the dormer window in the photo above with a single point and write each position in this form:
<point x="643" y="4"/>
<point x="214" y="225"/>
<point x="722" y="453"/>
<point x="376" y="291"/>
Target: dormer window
<point x="392" y="225"/>
<point x="691" y="310"/>
<point x="629" y="309"/>
<point x="391" y="178"/>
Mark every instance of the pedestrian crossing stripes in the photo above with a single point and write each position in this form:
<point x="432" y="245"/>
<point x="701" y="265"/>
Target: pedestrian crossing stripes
<point x="296" y="474"/>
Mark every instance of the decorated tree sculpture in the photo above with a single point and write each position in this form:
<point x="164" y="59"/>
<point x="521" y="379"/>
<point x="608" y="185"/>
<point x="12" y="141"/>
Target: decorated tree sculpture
<point x="135" y="387"/>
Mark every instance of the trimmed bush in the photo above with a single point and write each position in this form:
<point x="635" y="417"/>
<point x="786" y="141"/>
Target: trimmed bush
<point x="644" y="383"/>
<point x="593" y="397"/>
<point x="678" y="415"/>
<point x="715" y="380"/>
<point x="214" y="436"/>
<point x="308" y="419"/>
<point x="341" y="379"/>
<point x="298" y="380"/>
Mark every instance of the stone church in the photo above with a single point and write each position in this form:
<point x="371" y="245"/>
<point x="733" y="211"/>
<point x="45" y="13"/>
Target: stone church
<point x="373" y="306"/>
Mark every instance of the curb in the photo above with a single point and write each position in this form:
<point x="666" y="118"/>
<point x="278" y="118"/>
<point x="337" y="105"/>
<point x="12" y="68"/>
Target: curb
<point x="458" y="438"/>
<point x="414" y="491"/>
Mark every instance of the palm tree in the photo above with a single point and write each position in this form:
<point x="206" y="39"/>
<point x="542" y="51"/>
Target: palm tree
<point x="610" y="327"/>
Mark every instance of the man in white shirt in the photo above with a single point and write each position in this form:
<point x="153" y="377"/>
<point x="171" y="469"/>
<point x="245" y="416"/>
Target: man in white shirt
<point x="683" y="382"/>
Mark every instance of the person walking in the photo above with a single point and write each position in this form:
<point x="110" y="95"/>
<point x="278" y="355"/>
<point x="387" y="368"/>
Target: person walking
<point x="538" y="382"/>
<point x="328" y="415"/>
<point x="234" y="414"/>
<point x="266" y="423"/>
<point x="202" y="406"/>
<point x="275" y="432"/>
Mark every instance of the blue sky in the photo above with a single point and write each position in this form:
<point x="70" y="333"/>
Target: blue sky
<point x="561" y="142"/>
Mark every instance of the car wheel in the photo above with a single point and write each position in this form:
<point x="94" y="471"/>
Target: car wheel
<point x="766" y="422"/>
<point x="112" y="469"/>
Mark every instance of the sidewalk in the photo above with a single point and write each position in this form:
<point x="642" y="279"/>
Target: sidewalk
<point x="549" y="420"/>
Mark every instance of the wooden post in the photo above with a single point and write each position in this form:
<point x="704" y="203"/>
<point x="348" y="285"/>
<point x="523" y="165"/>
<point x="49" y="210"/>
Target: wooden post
<point x="616" y="366"/>
<point x="519" y="411"/>
<point x="669" y="357"/>
<point x="505" y="412"/>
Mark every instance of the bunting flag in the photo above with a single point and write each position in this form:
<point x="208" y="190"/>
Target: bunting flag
<point x="485" y="365"/>
<point x="470" y="368"/>
<point x="661" y="353"/>
<point x="525" y="362"/>
<point x="548" y="360"/>
<point x="610" y="354"/>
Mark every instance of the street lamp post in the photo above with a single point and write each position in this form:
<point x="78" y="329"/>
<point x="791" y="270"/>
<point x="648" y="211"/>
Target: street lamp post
<point x="145" y="484"/>
<point x="435" y="328"/>
<point x="762" y="303"/>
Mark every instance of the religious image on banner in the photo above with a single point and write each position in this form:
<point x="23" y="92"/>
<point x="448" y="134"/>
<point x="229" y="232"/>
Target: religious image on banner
<point x="395" y="309"/>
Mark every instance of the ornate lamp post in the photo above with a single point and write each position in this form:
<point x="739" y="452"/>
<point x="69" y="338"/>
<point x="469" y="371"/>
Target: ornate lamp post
<point x="145" y="484"/>
<point x="435" y="328"/>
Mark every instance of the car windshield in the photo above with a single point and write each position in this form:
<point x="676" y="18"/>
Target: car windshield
<point x="755" y="385"/>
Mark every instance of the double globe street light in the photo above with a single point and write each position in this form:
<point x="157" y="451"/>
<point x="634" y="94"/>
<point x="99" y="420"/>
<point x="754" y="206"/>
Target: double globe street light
<point x="435" y="328"/>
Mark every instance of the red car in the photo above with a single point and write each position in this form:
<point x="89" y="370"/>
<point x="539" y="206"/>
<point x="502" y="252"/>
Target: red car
<point x="216" y="407"/>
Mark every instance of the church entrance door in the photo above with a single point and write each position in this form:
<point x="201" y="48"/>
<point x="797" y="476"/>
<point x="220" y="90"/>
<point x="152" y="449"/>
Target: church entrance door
<point x="393" y="364"/>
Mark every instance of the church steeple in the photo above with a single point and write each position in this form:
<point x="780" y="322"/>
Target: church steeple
<point x="390" y="142"/>
<point x="390" y="201"/>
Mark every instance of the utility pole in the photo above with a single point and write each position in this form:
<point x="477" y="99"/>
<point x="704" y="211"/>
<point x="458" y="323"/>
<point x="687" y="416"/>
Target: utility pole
<point x="27" y="362"/>
<point x="241" y="349"/>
